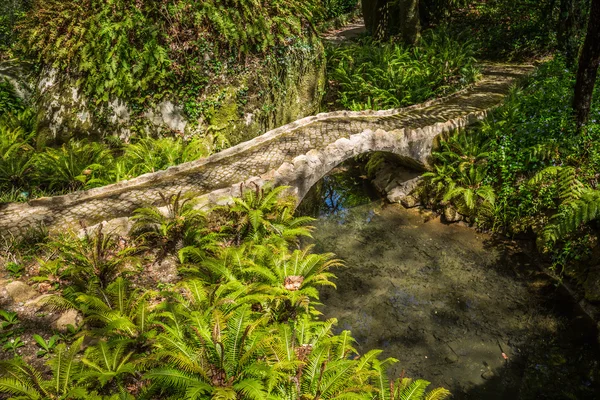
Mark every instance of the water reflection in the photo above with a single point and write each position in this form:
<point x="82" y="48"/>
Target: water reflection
<point x="449" y="302"/>
<point x="334" y="195"/>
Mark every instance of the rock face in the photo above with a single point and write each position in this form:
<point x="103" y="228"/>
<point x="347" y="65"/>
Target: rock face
<point x="20" y="292"/>
<point x="69" y="317"/>
<point x="248" y="105"/>
<point x="403" y="189"/>
<point x="410" y="202"/>
<point x="451" y="215"/>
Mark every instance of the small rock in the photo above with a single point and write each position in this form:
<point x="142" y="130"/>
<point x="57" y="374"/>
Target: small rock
<point x="402" y="189"/>
<point x="451" y="215"/>
<point x="410" y="202"/>
<point x="487" y="374"/>
<point x="69" y="317"/>
<point x="20" y="292"/>
<point x="451" y="359"/>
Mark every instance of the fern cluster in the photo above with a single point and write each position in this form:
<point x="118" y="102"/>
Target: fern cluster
<point x="241" y="324"/>
<point x="578" y="203"/>
<point x="28" y="169"/>
<point x="459" y="175"/>
<point x="390" y="75"/>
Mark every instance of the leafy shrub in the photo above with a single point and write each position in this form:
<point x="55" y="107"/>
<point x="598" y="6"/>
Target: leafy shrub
<point x="390" y="75"/>
<point x="540" y="171"/>
<point x="532" y="131"/>
<point x="95" y="260"/>
<point x="460" y="174"/>
<point x="336" y="8"/>
<point x="16" y="154"/>
<point x="10" y="12"/>
<point x="28" y="171"/>
<point x="73" y="166"/>
<point x="9" y="101"/>
<point x="261" y="217"/>
<point x="172" y="229"/>
<point x="242" y="324"/>
<point x="509" y="29"/>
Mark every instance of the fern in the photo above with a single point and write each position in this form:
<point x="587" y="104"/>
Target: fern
<point x="573" y="214"/>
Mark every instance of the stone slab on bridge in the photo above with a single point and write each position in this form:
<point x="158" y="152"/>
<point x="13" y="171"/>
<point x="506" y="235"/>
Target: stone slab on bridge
<point x="297" y="154"/>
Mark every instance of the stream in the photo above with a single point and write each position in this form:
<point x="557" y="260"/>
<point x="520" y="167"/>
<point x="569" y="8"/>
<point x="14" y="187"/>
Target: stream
<point x="454" y="306"/>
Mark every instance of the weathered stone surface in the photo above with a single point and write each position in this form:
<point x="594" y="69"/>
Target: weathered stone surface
<point x="410" y="202"/>
<point x="20" y="292"/>
<point x="69" y="317"/>
<point x="401" y="190"/>
<point x="451" y="215"/>
<point x="66" y="111"/>
<point x="298" y="155"/>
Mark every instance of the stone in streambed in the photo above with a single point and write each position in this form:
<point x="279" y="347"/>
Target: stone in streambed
<point x="451" y="215"/>
<point x="410" y="202"/>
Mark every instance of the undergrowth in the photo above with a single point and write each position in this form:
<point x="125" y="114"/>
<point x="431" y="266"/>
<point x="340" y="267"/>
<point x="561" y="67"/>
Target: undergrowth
<point x="240" y="322"/>
<point x="29" y="170"/>
<point x="538" y="174"/>
<point x="371" y="75"/>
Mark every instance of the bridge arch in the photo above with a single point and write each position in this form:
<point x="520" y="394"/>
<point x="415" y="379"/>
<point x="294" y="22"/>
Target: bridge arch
<point x="296" y="155"/>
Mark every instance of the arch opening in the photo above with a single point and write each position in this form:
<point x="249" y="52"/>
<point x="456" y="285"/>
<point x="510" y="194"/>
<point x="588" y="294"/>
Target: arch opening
<point x="356" y="181"/>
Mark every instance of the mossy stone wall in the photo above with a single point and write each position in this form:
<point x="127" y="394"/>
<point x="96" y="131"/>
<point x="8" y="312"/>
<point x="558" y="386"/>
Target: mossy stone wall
<point x="274" y="90"/>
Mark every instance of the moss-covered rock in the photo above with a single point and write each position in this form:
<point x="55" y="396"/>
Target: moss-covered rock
<point x="276" y="89"/>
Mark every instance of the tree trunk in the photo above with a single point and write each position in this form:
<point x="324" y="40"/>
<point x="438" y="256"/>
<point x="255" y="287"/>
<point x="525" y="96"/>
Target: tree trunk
<point x="569" y="30"/>
<point x="410" y="24"/>
<point x="588" y="67"/>
<point x="381" y="23"/>
<point x="368" y="11"/>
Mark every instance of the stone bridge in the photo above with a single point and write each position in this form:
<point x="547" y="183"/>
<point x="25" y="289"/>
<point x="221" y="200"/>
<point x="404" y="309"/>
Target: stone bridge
<point x="297" y="155"/>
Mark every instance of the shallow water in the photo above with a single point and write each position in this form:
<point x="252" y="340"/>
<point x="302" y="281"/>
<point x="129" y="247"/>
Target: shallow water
<point x="454" y="306"/>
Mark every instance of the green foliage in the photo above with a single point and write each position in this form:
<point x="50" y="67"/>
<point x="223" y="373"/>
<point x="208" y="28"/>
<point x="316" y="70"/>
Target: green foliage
<point x="260" y="216"/>
<point x="337" y="8"/>
<point x="509" y="29"/>
<point x="73" y="166"/>
<point x="15" y="269"/>
<point x="13" y="344"/>
<point x="10" y="12"/>
<point x="23" y="381"/>
<point x="47" y="346"/>
<point x="178" y="226"/>
<point x="28" y="170"/>
<point x="121" y="48"/>
<point x="536" y="158"/>
<point x="537" y="172"/>
<point x="94" y="260"/>
<point x="459" y="175"/>
<point x="389" y="75"/>
<point x="409" y="389"/>
<point x="242" y="324"/>
<point x="10" y="102"/>
<point x="9" y="327"/>
<point x="16" y="151"/>
<point x="580" y="209"/>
